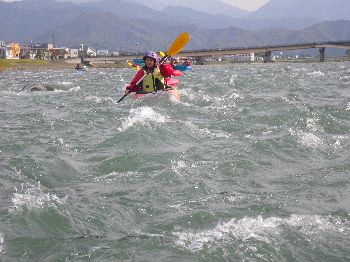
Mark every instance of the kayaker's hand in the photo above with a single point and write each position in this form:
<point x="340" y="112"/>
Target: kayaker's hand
<point x="126" y="92"/>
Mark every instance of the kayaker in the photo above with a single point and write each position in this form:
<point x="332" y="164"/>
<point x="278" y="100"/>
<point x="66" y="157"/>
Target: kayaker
<point x="173" y="61"/>
<point x="154" y="81"/>
<point x="187" y="62"/>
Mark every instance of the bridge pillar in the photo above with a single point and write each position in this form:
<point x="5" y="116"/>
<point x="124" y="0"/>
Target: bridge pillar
<point x="321" y="50"/>
<point x="267" y="57"/>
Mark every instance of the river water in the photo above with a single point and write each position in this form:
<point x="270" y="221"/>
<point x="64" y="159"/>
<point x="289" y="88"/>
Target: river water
<point x="252" y="164"/>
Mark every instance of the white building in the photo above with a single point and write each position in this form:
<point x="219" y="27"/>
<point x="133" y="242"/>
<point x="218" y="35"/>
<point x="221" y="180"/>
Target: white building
<point x="6" y="52"/>
<point x="241" y="57"/>
<point x="91" y="52"/>
<point x="244" y="57"/>
<point x="72" y="53"/>
<point x="102" y="52"/>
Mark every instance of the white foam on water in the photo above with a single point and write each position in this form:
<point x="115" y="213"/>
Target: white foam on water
<point x="142" y="115"/>
<point x="177" y="166"/>
<point x="290" y="101"/>
<point x="213" y="134"/>
<point x="344" y="78"/>
<point x="232" y="79"/>
<point x="66" y="83"/>
<point x="316" y="73"/>
<point x="235" y="96"/>
<point x="181" y="168"/>
<point x="199" y="95"/>
<point x="299" y="69"/>
<point x="2" y="241"/>
<point x="239" y="198"/>
<point x="348" y="107"/>
<point x="94" y="99"/>
<point x="312" y="124"/>
<point x="72" y="89"/>
<point x="116" y="176"/>
<point x="99" y="100"/>
<point x="173" y="99"/>
<point x="257" y="229"/>
<point x="310" y="140"/>
<point x="339" y="141"/>
<point x="61" y="142"/>
<point x="32" y="197"/>
<point x="307" y="139"/>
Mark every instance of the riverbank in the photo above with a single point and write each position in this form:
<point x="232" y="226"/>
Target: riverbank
<point x="25" y="64"/>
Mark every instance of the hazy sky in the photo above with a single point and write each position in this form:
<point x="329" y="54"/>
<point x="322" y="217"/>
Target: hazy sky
<point x="243" y="4"/>
<point x="250" y="5"/>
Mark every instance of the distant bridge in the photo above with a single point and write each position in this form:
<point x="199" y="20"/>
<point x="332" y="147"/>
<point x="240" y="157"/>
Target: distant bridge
<point x="266" y="50"/>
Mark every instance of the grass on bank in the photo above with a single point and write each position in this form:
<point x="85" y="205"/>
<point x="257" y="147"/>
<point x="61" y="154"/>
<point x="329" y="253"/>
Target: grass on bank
<point x="61" y="63"/>
<point x="14" y="63"/>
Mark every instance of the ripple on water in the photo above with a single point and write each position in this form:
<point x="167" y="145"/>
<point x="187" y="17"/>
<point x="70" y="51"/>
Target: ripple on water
<point x="263" y="230"/>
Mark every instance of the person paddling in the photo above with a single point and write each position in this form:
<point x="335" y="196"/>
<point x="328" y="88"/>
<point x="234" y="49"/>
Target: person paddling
<point x="155" y="80"/>
<point x="173" y="61"/>
<point x="179" y="43"/>
<point x="187" y="62"/>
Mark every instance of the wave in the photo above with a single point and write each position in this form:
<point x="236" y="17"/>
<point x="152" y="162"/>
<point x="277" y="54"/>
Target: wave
<point x="2" y="241"/>
<point x="259" y="229"/>
<point x="316" y="73"/>
<point x="30" y="197"/>
<point x="142" y="115"/>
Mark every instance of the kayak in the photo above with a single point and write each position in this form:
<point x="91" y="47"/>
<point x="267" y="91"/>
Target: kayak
<point x="182" y="67"/>
<point x="136" y="67"/>
<point x="171" y="82"/>
<point x="139" y="62"/>
<point x="172" y="90"/>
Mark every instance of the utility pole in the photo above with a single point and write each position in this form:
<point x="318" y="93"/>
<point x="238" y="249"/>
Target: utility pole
<point x="82" y="53"/>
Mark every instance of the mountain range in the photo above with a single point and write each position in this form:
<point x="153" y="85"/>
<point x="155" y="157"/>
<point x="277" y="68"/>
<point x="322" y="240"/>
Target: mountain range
<point x="132" y="26"/>
<point x="213" y="7"/>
